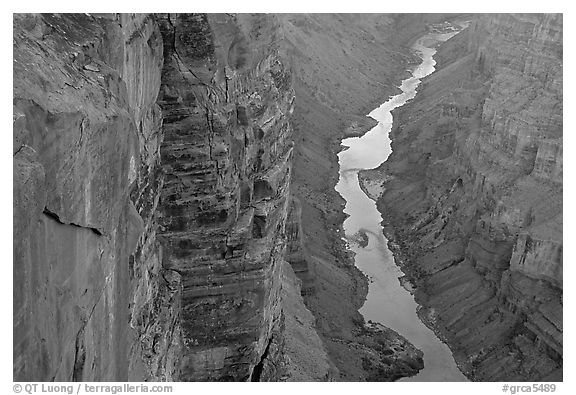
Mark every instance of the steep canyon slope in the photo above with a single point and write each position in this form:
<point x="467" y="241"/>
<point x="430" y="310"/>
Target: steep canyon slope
<point x="472" y="195"/>
<point x="344" y="66"/>
<point x="151" y="173"/>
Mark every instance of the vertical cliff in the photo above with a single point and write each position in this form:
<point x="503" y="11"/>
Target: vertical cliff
<point x="226" y="98"/>
<point x="473" y="192"/>
<point x="90" y="299"/>
<point x="152" y="161"/>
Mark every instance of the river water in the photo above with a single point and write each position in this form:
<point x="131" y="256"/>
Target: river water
<point x="387" y="301"/>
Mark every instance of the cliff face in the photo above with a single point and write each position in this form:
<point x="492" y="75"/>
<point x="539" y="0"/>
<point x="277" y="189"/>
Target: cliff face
<point x="90" y="301"/>
<point x="152" y="158"/>
<point x="474" y="196"/>
<point x="226" y="98"/>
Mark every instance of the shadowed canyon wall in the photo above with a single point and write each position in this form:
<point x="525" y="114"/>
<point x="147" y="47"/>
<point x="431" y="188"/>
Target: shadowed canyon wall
<point x="226" y="98"/>
<point x="151" y="173"/>
<point x="473" y="194"/>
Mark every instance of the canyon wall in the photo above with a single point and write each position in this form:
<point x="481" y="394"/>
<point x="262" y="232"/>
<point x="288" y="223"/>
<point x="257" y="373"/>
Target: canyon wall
<point x="472" y="196"/>
<point x="90" y="299"/>
<point x="152" y="161"/>
<point x="226" y="98"/>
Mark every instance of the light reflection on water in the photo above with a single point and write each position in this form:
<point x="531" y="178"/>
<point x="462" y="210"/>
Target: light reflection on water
<point x="387" y="301"/>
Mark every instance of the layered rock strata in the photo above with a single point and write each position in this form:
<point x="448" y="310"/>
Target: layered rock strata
<point x="226" y="98"/>
<point x="473" y="194"/>
<point x="152" y="161"/>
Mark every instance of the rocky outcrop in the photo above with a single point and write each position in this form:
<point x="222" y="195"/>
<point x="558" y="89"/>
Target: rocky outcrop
<point x="473" y="194"/>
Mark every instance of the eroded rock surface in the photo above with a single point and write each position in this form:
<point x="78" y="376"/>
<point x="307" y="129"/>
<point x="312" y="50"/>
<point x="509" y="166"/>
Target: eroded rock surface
<point x="90" y="298"/>
<point x="226" y="98"/>
<point x="152" y="159"/>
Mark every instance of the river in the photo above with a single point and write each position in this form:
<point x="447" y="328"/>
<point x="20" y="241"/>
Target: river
<point x="387" y="301"/>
